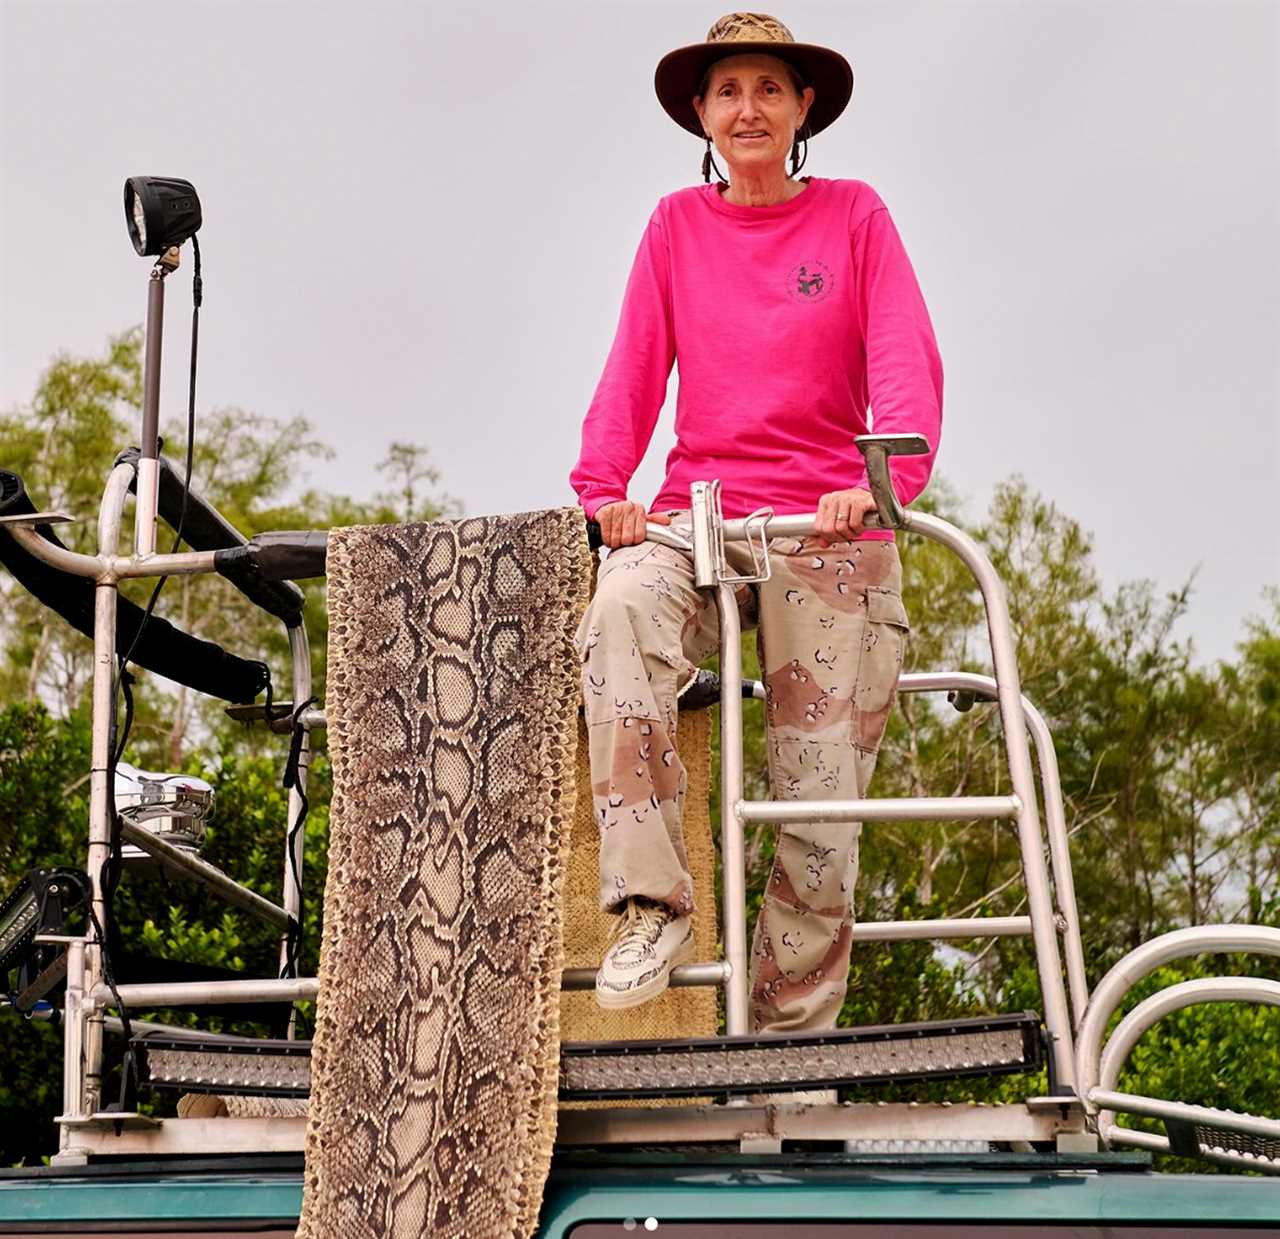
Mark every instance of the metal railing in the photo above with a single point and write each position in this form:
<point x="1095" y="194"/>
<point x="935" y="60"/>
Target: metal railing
<point x="87" y="995"/>
<point x="1099" y="1058"/>
<point x="705" y="542"/>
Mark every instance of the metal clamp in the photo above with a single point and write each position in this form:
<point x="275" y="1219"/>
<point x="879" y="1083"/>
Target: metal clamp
<point x="710" y="564"/>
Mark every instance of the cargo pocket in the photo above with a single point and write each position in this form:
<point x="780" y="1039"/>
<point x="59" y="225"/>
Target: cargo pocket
<point x="884" y="643"/>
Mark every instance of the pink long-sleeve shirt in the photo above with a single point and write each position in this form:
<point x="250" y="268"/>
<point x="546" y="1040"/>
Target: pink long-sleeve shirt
<point x="793" y="327"/>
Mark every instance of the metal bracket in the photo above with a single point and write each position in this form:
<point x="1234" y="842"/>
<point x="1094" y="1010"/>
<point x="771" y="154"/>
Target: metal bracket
<point x="876" y="450"/>
<point x="756" y="527"/>
<point x="121" y="1120"/>
<point x="31" y="519"/>
<point x="710" y="565"/>
<point x="167" y="262"/>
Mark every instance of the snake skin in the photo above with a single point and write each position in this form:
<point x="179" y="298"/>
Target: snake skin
<point x="452" y="697"/>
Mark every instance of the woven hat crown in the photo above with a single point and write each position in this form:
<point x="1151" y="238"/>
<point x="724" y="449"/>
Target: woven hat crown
<point x="681" y="74"/>
<point x="749" y="28"/>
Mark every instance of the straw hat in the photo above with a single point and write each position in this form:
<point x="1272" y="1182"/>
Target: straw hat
<point x="679" y="74"/>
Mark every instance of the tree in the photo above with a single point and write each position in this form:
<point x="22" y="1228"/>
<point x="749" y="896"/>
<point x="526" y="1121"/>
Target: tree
<point x="60" y="446"/>
<point x="247" y="465"/>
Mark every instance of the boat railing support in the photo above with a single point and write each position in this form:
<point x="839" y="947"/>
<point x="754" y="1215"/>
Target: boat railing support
<point x="88" y="999"/>
<point x="1020" y="807"/>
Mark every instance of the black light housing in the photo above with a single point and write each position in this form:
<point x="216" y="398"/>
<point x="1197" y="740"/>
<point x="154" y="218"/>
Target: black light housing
<point x="161" y="211"/>
<point x="38" y="904"/>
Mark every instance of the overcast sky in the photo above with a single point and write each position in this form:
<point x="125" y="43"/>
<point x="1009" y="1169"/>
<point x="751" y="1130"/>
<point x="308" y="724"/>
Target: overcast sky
<point x="419" y="219"/>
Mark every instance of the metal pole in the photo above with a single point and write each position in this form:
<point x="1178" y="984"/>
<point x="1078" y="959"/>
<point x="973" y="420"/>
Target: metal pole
<point x="101" y="794"/>
<point x="1174" y="998"/>
<point x="689" y="975"/>
<point x="115" y="567"/>
<point x="1060" y="858"/>
<point x="906" y="809"/>
<point x="151" y="995"/>
<point x="148" y="489"/>
<point x="940" y="930"/>
<point x="73" y="1056"/>
<point x="1124" y="975"/>
<point x="1055" y="816"/>
<point x="198" y="870"/>
<point x="702" y="503"/>
<point x="732" y="845"/>
<point x="1164" y="1002"/>
<point x="1057" y="1017"/>
<point x="1201" y="1116"/>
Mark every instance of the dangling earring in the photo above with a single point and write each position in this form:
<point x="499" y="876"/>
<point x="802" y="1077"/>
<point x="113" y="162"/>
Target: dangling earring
<point x="797" y="158"/>
<point x="709" y="162"/>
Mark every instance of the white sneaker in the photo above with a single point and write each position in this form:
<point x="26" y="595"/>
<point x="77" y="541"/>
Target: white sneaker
<point x="649" y="940"/>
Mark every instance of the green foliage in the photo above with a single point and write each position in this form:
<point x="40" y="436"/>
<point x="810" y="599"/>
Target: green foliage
<point x="250" y="467"/>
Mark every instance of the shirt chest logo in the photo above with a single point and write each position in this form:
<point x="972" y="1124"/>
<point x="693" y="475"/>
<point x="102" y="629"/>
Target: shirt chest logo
<point x="809" y="282"/>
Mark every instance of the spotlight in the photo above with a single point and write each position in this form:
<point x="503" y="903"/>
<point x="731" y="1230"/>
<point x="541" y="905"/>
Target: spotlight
<point x="161" y="212"/>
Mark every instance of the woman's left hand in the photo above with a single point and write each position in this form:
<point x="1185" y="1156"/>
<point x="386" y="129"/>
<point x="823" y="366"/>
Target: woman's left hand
<point x="841" y="513"/>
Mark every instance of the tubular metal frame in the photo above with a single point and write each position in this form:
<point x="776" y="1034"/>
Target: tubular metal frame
<point x="1099" y="1061"/>
<point x="980" y="686"/>
<point x="87" y="996"/>
<point x="1020" y="806"/>
<point x="107" y="568"/>
<point x="984" y="686"/>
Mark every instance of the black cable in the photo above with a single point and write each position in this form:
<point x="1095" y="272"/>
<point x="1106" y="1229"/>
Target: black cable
<point x="293" y="781"/>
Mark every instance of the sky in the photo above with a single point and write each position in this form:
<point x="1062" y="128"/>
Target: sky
<point x="419" y="219"/>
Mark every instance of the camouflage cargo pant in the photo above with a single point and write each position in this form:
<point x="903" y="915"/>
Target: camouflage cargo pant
<point x="831" y="630"/>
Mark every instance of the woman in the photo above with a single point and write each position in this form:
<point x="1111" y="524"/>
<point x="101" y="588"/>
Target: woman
<point x="791" y="308"/>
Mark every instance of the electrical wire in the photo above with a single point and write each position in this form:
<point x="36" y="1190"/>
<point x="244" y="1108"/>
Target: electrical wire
<point x="293" y="781"/>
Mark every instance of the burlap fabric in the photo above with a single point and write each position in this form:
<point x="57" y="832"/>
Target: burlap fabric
<point x="678" y="1012"/>
<point x="452" y="698"/>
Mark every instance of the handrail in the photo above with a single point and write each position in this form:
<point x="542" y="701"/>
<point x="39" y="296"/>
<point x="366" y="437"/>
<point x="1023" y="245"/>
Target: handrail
<point x="1164" y="1002"/>
<point x="901" y="809"/>
<point x="1049" y="966"/>
<point x="39" y="562"/>
<point x="1174" y="998"/>
<point x="1141" y="962"/>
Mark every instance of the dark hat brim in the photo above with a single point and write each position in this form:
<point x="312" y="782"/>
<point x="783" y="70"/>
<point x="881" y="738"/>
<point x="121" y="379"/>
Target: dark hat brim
<point x="679" y="75"/>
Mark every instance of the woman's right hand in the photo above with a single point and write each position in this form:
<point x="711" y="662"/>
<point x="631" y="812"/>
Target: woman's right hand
<point x="622" y="523"/>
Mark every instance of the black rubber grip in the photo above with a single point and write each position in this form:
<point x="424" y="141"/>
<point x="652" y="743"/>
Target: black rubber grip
<point x="282" y="555"/>
<point x="297" y="554"/>
<point x="206" y="529"/>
